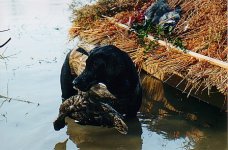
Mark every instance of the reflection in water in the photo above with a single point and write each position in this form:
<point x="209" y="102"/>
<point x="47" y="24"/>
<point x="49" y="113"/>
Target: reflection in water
<point x="99" y="138"/>
<point x="61" y="145"/>
<point x="175" y="116"/>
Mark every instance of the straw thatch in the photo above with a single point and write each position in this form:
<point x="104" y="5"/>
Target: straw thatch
<point x="202" y="29"/>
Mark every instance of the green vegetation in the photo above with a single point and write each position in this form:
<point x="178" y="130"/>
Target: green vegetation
<point x="159" y="33"/>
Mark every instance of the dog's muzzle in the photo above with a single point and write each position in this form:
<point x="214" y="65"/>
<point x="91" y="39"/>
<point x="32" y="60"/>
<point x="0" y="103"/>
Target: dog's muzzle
<point x="82" y="84"/>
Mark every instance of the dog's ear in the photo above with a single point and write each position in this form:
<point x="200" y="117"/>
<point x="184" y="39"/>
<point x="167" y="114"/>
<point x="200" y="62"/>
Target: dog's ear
<point x="83" y="51"/>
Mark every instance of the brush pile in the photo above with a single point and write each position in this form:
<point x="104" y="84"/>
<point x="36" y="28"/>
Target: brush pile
<point x="202" y="28"/>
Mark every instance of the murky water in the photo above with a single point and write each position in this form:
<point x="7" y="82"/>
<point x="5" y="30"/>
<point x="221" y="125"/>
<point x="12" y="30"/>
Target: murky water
<point x="38" y="28"/>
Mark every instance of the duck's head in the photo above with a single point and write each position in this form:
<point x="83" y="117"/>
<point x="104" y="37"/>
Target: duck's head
<point x="59" y="123"/>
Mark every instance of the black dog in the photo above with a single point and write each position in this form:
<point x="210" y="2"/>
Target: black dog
<point x="112" y="67"/>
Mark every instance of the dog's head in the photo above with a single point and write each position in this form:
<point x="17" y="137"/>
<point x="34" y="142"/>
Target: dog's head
<point x="93" y="72"/>
<point x="108" y="65"/>
<point x="103" y="64"/>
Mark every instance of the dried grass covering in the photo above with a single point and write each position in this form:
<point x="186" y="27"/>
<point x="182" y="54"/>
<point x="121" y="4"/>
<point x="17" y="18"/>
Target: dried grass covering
<point x="207" y="26"/>
<point x="206" y="34"/>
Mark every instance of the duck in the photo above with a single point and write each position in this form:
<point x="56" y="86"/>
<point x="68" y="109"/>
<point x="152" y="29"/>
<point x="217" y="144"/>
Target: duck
<point x="91" y="108"/>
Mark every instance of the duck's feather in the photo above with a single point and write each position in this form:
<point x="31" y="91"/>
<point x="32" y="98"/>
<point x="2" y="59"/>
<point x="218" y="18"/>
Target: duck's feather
<point x="88" y="110"/>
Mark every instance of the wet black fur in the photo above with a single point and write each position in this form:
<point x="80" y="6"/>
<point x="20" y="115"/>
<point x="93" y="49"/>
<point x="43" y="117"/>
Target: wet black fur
<point x="112" y="67"/>
<point x="66" y="79"/>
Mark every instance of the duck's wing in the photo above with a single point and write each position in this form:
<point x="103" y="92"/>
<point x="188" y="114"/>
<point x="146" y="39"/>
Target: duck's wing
<point x="72" y="104"/>
<point x="100" y="114"/>
<point x="116" y="118"/>
<point x="89" y="111"/>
